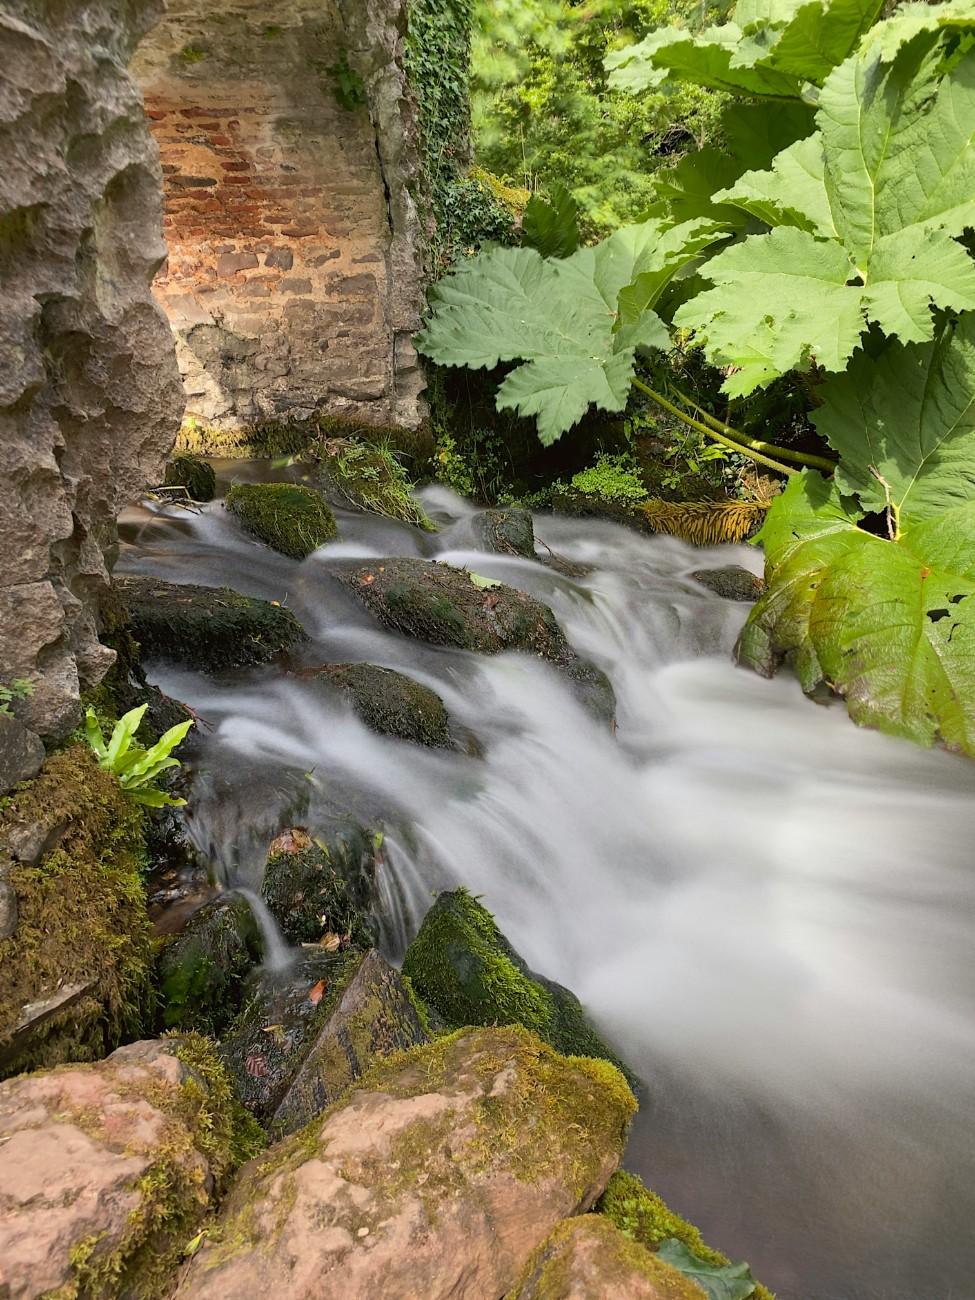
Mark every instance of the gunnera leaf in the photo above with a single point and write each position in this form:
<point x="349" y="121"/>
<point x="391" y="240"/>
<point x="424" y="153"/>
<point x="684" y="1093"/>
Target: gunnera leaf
<point x="551" y="226"/>
<point x="717" y="1281"/>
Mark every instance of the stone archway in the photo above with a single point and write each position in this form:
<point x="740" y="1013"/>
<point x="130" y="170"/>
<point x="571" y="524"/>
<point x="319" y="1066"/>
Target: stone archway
<point x="293" y="281"/>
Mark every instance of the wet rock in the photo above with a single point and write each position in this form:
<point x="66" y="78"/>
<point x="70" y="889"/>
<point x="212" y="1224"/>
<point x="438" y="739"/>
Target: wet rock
<point x="392" y="703"/>
<point x="207" y="627"/>
<point x="196" y="476"/>
<point x="322" y="885"/>
<point x="732" y="582"/>
<point x="72" y="850"/>
<point x="506" y="532"/>
<point x="446" y="606"/>
<point x="107" y="1170"/>
<point x="437" y="1176"/>
<point x="201" y="970"/>
<point x="21" y="753"/>
<point x="307" y="1034"/>
<point x="587" y="1258"/>
<point x="462" y="965"/>
<point x="8" y="903"/>
<point x="292" y="519"/>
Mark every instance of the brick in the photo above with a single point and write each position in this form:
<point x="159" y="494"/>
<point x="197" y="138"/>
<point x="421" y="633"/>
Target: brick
<point x="295" y="284"/>
<point x="231" y="263"/>
<point x="283" y="258"/>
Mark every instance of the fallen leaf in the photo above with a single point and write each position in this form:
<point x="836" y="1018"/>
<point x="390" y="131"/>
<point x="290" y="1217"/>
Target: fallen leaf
<point x="194" y="1244"/>
<point x="482" y="582"/>
<point x="256" y="1066"/>
<point x="490" y="601"/>
<point x="315" y="995"/>
<point x="330" y="942"/>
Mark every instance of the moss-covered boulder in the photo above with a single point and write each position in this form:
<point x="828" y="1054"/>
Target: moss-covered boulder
<point x="292" y="519"/>
<point x="322" y="885"/>
<point x="436" y="1175"/>
<point x="462" y="965"/>
<point x="194" y="475"/>
<point x="450" y="607"/>
<point x="107" y="1170"/>
<point x="587" y="1258"/>
<point x="305" y="1035"/>
<point x="370" y="477"/>
<point x="391" y="703"/>
<point x="645" y="1218"/>
<point x="206" y="627"/>
<point x="506" y="532"/>
<point x="202" y="969"/>
<point x="731" y="582"/>
<point x="75" y="972"/>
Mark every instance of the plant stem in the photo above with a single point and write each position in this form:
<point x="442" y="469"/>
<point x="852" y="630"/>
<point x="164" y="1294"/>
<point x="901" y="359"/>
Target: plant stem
<point x="784" y="453"/>
<point x="741" y="448"/>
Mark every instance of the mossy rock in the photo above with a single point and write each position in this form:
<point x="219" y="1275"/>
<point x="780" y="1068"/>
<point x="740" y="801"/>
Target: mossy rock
<point x="731" y="582"/>
<point x="505" y="532"/>
<point x="369" y="477"/>
<point x="645" y="1218"/>
<point x="206" y="627"/>
<point x="392" y="703"/>
<point x="588" y="1257"/>
<point x="323" y="885"/>
<point x="202" y="969"/>
<point x="82" y="944"/>
<point x="193" y="474"/>
<point x="292" y="519"/>
<point x="306" y="1034"/>
<point x="448" y="607"/>
<point x="462" y="964"/>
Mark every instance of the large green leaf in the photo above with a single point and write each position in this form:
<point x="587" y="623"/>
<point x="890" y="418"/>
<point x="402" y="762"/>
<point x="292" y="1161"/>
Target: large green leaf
<point x="911" y="20"/>
<point x="889" y="625"/>
<point x="904" y="425"/>
<point x="717" y="1281"/>
<point x="551" y="226"/>
<point x="771" y="50"/>
<point x="864" y="213"/>
<point x="561" y="319"/>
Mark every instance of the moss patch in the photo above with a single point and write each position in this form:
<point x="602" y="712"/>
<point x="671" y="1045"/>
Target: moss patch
<point x="201" y="970"/>
<point x="641" y="1215"/>
<point x="292" y="519"/>
<point x="320" y="885"/>
<point x="207" y="627"/>
<point x="391" y="703"/>
<point x="193" y="474"/>
<point x="462" y="964"/>
<point x="370" y="478"/>
<point x="82" y="914"/>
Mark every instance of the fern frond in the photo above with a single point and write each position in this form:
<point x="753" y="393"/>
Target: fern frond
<point x="705" y="523"/>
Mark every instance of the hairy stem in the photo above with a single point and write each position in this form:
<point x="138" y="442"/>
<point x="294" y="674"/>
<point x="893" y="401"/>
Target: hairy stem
<point x="784" y="453"/>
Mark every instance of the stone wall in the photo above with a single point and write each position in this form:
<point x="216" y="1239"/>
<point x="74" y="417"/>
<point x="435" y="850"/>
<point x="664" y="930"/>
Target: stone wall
<point x="293" y="281"/>
<point x="89" y="394"/>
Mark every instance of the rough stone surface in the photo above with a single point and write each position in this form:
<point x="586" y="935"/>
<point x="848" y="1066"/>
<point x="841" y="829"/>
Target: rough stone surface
<point x="9" y="913"/>
<point x="90" y="399"/>
<point x="78" y="1150"/>
<point x="732" y="582"/>
<point x="21" y="752"/>
<point x="436" y="1177"/>
<point x="294" y="280"/>
<point x="305" y="1036"/>
<point x="507" y="532"/>
<point x="391" y="703"/>
<point x="587" y="1258"/>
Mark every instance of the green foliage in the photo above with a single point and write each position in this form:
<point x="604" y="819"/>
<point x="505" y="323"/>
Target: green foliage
<point x="611" y="478"/>
<point x="20" y="688"/>
<point x="551" y="226"/>
<point x="371" y="477"/>
<point x="350" y="91"/>
<point x="471" y="215"/>
<point x="717" y="1281"/>
<point x="292" y="519"/>
<point x="135" y="767"/>
<point x="575" y="324"/>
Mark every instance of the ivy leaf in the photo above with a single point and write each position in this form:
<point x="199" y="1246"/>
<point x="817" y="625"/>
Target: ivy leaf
<point x="551" y="226"/>
<point x="717" y="1281"/>
<point x="560" y="319"/>
<point x="909" y="415"/>
<point x="863" y="230"/>
<point x="889" y="625"/>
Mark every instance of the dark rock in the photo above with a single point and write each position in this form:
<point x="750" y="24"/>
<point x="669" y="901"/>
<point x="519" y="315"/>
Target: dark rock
<point x="292" y="519"/>
<point x="35" y="1015"/>
<point x="322" y="885"/>
<point x="732" y="582"/>
<point x="445" y="606"/>
<point x="207" y="627"/>
<point x="8" y="903"/>
<point x="21" y="753"/>
<point x="462" y="965"/>
<point x="193" y="474"/>
<point x="304" y="1036"/>
<point x="201" y="971"/>
<point x="507" y="532"/>
<point x="391" y="703"/>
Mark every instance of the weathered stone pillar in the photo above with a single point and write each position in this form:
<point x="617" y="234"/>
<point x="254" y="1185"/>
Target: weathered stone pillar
<point x="89" y="394"/>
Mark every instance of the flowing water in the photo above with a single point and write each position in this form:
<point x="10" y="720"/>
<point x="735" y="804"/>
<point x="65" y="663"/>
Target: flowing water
<point x="768" y="911"/>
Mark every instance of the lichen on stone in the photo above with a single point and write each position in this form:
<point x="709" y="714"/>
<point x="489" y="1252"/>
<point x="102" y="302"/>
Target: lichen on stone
<point x="288" y="517"/>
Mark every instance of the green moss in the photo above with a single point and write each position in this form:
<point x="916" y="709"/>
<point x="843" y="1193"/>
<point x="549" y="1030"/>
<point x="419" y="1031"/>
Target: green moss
<point x="613" y="479"/>
<point x="370" y="477"/>
<point x="201" y="970"/>
<point x="462" y="964"/>
<point x="233" y="1136"/>
<point x="193" y="474"/>
<point x="275" y="438"/>
<point x="321" y="885"/>
<point x="392" y="704"/>
<point x="643" y="1216"/>
<point x="82" y="914"/>
<point x="292" y="519"/>
<point x="208" y="627"/>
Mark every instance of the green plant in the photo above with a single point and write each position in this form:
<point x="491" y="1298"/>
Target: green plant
<point x="135" y="767"/>
<point x="349" y="88"/>
<point x="611" y="478"/>
<point x="371" y="477"/>
<point x="18" y="689"/>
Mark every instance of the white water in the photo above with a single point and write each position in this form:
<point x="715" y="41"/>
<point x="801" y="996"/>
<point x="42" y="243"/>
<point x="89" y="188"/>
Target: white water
<point x="768" y="911"/>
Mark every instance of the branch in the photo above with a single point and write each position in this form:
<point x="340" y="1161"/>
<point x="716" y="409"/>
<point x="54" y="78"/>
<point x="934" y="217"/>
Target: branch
<point x="784" y="453"/>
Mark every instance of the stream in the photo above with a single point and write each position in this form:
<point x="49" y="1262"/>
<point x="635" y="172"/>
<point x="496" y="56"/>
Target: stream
<point x="769" y="912"/>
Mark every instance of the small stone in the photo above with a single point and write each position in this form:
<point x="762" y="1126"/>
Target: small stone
<point x="732" y="582"/>
<point x="231" y="263"/>
<point x="21" y="753"/>
<point x="282" y="258"/>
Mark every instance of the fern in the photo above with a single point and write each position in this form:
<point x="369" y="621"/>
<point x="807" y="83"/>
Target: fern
<point x="705" y="523"/>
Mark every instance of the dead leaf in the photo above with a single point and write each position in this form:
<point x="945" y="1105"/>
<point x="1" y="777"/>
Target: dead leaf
<point x="367" y="580"/>
<point x="330" y="942"/>
<point x="256" y="1066"/>
<point x="490" y="600"/>
<point x="316" y="993"/>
